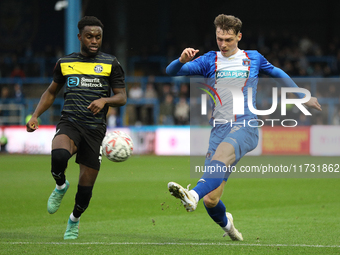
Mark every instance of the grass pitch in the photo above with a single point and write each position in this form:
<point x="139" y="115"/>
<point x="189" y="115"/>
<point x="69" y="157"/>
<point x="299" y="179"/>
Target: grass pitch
<point x="131" y="211"/>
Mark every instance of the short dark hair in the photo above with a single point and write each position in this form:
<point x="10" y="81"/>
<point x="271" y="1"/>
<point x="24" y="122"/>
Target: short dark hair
<point x="228" y="22"/>
<point x="89" y="21"/>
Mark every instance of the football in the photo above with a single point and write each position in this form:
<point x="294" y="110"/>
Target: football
<point x="117" y="146"/>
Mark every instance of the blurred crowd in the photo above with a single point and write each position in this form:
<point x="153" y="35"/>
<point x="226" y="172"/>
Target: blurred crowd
<point x="298" y="56"/>
<point x="173" y="102"/>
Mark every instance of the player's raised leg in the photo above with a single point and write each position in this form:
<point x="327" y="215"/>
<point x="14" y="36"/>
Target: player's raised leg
<point x="62" y="147"/>
<point x="205" y="185"/>
<point x="55" y="198"/>
<point x="210" y="187"/>
<point x="208" y="182"/>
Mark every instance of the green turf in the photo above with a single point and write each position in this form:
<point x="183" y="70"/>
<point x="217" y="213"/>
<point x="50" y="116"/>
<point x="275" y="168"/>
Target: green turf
<point x="131" y="211"/>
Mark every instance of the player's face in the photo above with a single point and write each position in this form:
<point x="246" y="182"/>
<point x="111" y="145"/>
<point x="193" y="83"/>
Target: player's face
<point x="90" y="40"/>
<point x="227" y="41"/>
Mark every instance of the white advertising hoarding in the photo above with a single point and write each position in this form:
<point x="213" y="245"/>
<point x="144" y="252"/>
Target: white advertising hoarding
<point x="38" y="142"/>
<point x="172" y="141"/>
<point x="325" y="141"/>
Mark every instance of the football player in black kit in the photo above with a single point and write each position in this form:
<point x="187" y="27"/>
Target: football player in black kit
<point x="89" y="77"/>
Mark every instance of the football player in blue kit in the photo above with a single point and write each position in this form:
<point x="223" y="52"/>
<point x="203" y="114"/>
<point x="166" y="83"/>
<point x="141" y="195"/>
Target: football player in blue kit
<point x="228" y="143"/>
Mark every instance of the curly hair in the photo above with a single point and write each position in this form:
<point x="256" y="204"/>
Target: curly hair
<point x="228" y="22"/>
<point x="89" y="21"/>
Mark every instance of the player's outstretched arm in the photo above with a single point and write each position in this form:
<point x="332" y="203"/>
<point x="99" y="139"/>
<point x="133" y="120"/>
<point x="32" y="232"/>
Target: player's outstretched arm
<point x="45" y="102"/>
<point x="313" y="103"/>
<point x="288" y="82"/>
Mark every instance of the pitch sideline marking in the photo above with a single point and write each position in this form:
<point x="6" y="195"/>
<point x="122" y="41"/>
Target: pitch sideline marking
<point x="195" y="244"/>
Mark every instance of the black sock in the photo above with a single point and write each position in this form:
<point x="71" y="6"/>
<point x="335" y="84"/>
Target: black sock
<point x="83" y="198"/>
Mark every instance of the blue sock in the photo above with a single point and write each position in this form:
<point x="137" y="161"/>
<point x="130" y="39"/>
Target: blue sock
<point x="210" y="181"/>
<point x="217" y="213"/>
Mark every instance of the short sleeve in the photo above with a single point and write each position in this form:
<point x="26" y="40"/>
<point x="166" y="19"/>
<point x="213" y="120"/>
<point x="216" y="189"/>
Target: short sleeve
<point x="117" y="77"/>
<point x="57" y="74"/>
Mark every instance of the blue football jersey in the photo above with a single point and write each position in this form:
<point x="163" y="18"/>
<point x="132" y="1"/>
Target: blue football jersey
<point x="235" y="73"/>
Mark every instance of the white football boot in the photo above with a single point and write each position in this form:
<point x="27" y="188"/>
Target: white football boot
<point x="233" y="233"/>
<point x="184" y="195"/>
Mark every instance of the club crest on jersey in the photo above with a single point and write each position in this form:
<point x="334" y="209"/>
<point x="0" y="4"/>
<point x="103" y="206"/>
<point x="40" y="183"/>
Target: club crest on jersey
<point x="246" y="62"/>
<point x="98" y="68"/>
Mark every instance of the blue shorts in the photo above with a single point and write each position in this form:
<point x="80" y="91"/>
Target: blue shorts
<point x="243" y="138"/>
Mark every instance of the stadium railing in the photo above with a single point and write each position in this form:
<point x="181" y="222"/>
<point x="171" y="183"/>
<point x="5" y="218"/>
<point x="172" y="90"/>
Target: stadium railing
<point x="51" y="116"/>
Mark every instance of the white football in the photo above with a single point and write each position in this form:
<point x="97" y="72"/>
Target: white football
<point x="117" y="146"/>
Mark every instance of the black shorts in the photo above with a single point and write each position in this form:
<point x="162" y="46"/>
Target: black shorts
<point x="88" y="142"/>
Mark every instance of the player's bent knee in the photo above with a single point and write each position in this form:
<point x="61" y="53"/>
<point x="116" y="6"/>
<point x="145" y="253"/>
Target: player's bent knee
<point x="225" y="153"/>
<point x="226" y="159"/>
<point x="210" y="202"/>
<point x="60" y="158"/>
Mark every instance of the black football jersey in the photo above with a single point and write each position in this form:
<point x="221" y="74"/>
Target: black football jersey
<point x="87" y="79"/>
